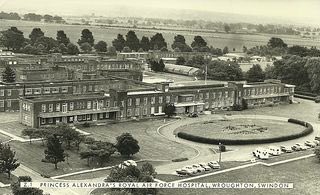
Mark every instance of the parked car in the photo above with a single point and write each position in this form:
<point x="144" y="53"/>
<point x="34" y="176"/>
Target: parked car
<point x="205" y="166"/>
<point x="191" y="169"/>
<point x="261" y="153"/>
<point x="193" y="114"/>
<point x="184" y="172"/>
<point x="286" y="149"/>
<point x="296" y="147"/>
<point x="316" y="142"/>
<point x="317" y="138"/>
<point x="303" y="147"/>
<point x="310" y="144"/>
<point x="274" y="150"/>
<point x="198" y="168"/>
<point x="214" y="165"/>
<point x="127" y="163"/>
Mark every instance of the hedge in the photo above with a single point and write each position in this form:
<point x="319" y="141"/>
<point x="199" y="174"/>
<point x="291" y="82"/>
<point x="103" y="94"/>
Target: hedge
<point x="304" y="97"/>
<point x="305" y="93"/>
<point x="206" y="140"/>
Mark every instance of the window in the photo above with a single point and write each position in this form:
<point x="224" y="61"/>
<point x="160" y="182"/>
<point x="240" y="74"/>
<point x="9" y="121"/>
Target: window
<point x="46" y="90"/>
<point x="57" y="120"/>
<point x="200" y="96"/>
<point x="137" y="101"/>
<point x="101" y="104"/>
<point x="64" y="89"/>
<point x="64" y="107"/>
<point x="207" y="95"/>
<point x="107" y="103"/>
<point x="43" y="108"/>
<point x="84" y="89"/>
<point x="43" y="121"/>
<point x="226" y="94"/>
<point x="50" y="107"/>
<point x="160" y="109"/>
<point x="145" y="100"/>
<point x="1" y="103"/>
<point x="214" y="95"/>
<point x="37" y="91"/>
<point x="50" y="120"/>
<point x="1" y="92"/>
<point x="137" y="111"/>
<point x="28" y="91"/>
<point x="121" y="113"/>
<point x="145" y="111"/>
<point x="57" y="107"/>
<point x="167" y="99"/>
<point x="88" y="117"/>
<point x="153" y="100"/>
<point x="129" y="112"/>
<point x="88" y="104"/>
<point x="9" y="92"/>
<point x="90" y="88"/>
<point x="55" y="90"/>
<point x="8" y="103"/>
<point x="122" y="103"/>
<point x="160" y="99"/>
<point x="71" y="105"/>
<point x="129" y="102"/>
<point x="20" y="91"/>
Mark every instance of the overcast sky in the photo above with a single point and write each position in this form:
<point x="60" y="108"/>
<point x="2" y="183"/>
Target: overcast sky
<point x="287" y="9"/>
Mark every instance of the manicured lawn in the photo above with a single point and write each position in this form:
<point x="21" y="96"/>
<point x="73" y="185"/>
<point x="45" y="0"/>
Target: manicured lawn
<point x="303" y="173"/>
<point x="241" y="129"/>
<point x="13" y="127"/>
<point x="4" y="138"/>
<point x="285" y="156"/>
<point x="4" y="179"/>
<point x="152" y="145"/>
<point x="5" y="191"/>
<point x="85" y="176"/>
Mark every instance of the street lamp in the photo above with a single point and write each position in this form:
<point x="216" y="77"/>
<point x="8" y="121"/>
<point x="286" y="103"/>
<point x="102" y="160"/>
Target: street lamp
<point x="220" y="145"/>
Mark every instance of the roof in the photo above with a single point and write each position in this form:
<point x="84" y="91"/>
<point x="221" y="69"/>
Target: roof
<point x="64" y="97"/>
<point x="181" y="69"/>
<point x="188" y="104"/>
<point x="143" y="92"/>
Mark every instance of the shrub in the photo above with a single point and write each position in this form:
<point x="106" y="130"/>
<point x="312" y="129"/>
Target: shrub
<point x="206" y="140"/>
<point x="180" y="159"/>
<point x="86" y="125"/>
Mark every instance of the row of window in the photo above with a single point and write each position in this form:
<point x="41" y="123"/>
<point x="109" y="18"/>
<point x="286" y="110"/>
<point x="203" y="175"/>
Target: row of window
<point x="9" y="92"/>
<point x="2" y="103"/>
<point x="80" y="105"/>
<point x="145" y="111"/>
<point x="260" y="91"/>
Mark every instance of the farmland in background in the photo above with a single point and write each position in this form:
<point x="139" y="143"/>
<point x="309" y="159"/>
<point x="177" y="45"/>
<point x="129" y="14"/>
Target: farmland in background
<point x="107" y="34"/>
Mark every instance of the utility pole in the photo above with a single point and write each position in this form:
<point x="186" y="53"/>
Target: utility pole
<point x="220" y="152"/>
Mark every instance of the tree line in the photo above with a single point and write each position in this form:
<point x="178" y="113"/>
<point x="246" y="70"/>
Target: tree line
<point x="32" y="17"/>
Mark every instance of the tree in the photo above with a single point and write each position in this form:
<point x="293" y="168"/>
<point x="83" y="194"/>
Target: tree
<point x="62" y="38"/>
<point x="132" y="41"/>
<point x="180" y="42"/>
<point x="169" y="110"/>
<point x="225" y="50"/>
<point x="269" y="72"/>
<point x="180" y="60"/>
<point x="133" y="174"/>
<point x="72" y="49"/>
<point x="145" y="43"/>
<point x="62" y="48"/>
<point x="227" y="28"/>
<point x="313" y="68"/>
<point x="48" y="18"/>
<point x="275" y="42"/>
<point x="8" y="162"/>
<point x="112" y="50"/>
<point x="119" y="43"/>
<point x="68" y="134"/>
<point x="157" y="41"/>
<point x="48" y="44"/>
<point x="98" y="150"/>
<point x="198" y="42"/>
<point x="127" y="49"/>
<point x="255" y="74"/>
<point x="86" y="37"/>
<point x="86" y="47"/>
<point x="17" y="190"/>
<point x="101" y="46"/>
<point x="35" y="34"/>
<point x="8" y="75"/>
<point x="29" y="132"/>
<point x="157" y="66"/>
<point x="225" y="71"/>
<point x="54" y="152"/>
<point x="12" y="39"/>
<point x="32" y="17"/>
<point x="127" y="145"/>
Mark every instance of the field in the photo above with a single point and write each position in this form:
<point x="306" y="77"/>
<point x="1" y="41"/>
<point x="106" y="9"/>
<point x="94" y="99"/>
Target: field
<point x="219" y="40"/>
<point x="241" y="129"/>
<point x="302" y="173"/>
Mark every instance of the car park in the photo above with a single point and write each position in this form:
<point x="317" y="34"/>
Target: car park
<point x="214" y="165"/>
<point x="286" y="149"/>
<point x="274" y="150"/>
<point x="310" y="144"/>
<point x="198" y="168"/>
<point x="261" y="153"/>
<point x="205" y="166"/>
